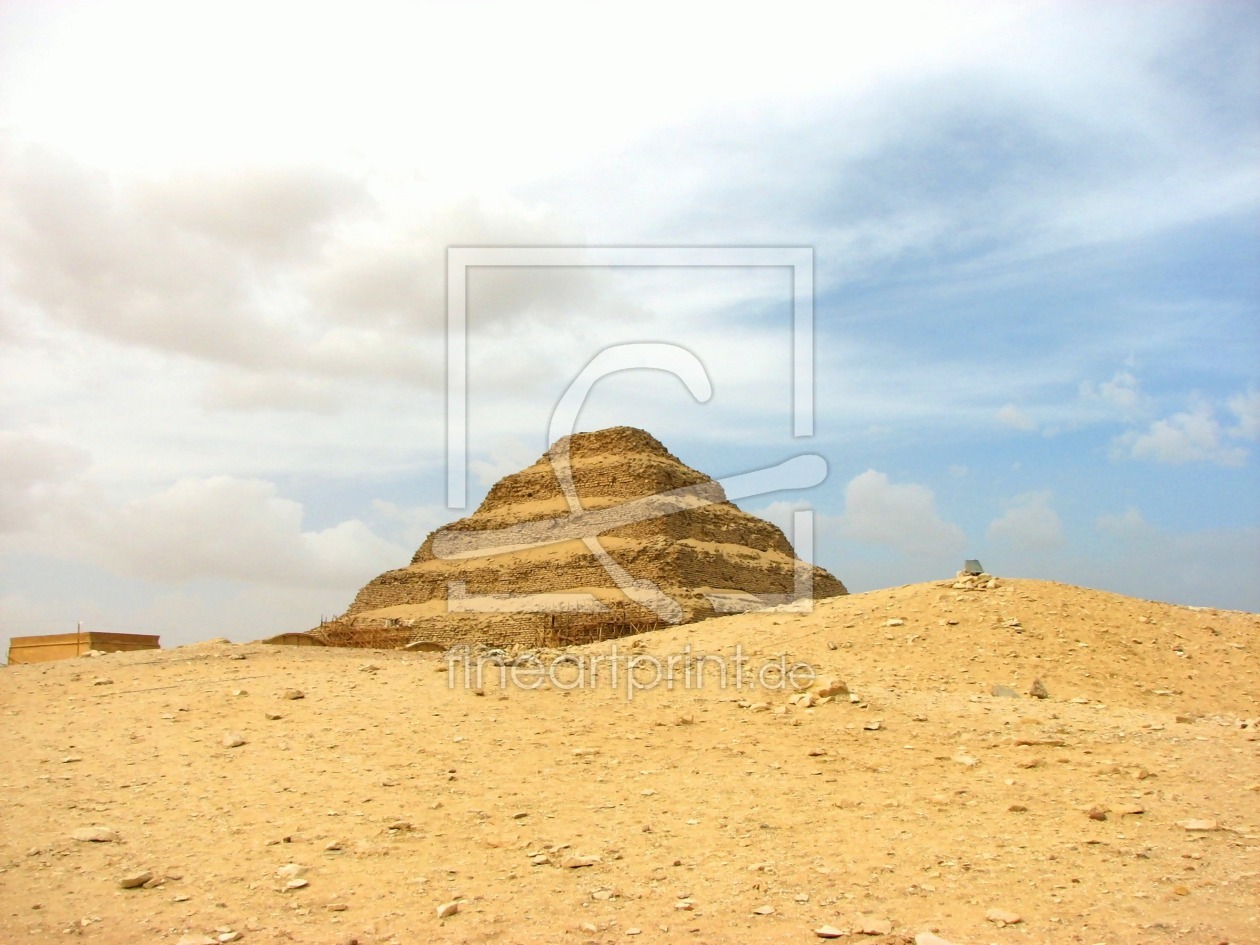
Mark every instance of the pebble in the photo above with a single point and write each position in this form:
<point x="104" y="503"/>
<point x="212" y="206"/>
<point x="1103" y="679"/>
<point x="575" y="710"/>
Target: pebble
<point x="296" y="884"/>
<point x="294" y="694"/>
<point x="102" y="681"/>
<point x="873" y="726"/>
<point x="1038" y="690"/>
<point x="1199" y="825"/>
<point x="135" y="880"/>
<point x="828" y="931"/>
<point x="929" y="938"/>
<point x="447" y="909"/>
<point x="577" y="862"/>
<point x="1004" y="692"/>
<point x="1002" y="917"/>
<point x="291" y="871"/>
<point x="272" y="716"/>
<point x="233" y="740"/>
<point x="1097" y="813"/>
<point x="831" y="686"/>
<point x="95" y="835"/>
<point x="872" y="926"/>
<point x="764" y="910"/>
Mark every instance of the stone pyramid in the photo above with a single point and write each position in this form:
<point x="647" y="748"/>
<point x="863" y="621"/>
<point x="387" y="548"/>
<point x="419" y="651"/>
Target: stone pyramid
<point x="607" y="533"/>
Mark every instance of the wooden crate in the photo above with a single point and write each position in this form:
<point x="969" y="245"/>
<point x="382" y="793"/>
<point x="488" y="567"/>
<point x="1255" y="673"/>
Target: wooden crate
<point x="60" y="646"/>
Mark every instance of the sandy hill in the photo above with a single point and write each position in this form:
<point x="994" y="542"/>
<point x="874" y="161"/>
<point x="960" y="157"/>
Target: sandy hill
<point x="639" y="536"/>
<point x="1122" y="808"/>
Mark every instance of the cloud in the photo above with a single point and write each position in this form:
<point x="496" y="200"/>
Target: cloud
<point x="1214" y="567"/>
<point x="900" y="516"/>
<point x="1028" y="524"/>
<point x="1246" y="407"/>
<point x="1121" y="394"/>
<point x="1191" y="436"/>
<point x="1012" y="416"/>
<point x="31" y="476"/>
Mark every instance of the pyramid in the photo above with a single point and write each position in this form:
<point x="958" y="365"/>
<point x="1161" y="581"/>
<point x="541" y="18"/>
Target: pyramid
<point x="607" y="533"/>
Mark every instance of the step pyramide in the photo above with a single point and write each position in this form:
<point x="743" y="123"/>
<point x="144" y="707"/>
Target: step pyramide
<point x="608" y="533"/>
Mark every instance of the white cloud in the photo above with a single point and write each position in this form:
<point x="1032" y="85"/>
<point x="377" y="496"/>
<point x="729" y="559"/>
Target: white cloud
<point x="1012" y="416"/>
<point x="1246" y="407"/>
<point x="1191" y="436"/>
<point x="1120" y="395"/>
<point x="1028" y="524"/>
<point x="902" y="516"/>
<point x="30" y="476"/>
<point x="232" y="529"/>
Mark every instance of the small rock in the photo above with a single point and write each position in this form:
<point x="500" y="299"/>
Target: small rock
<point x="336" y="907"/>
<point x="1199" y="825"/>
<point x="873" y="726"/>
<point x="1002" y="917"/>
<point x="872" y="926"/>
<point x="831" y="686"/>
<point x="828" y="931"/>
<point x="447" y="909"/>
<point x="577" y="862"/>
<point x="895" y="622"/>
<point x="71" y="759"/>
<point x="965" y="759"/>
<point x="233" y="936"/>
<point x="634" y="931"/>
<point x="291" y="871"/>
<point x="332" y="846"/>
<point x="233" y="740"/>
<point x="1038" y="690"/>
<point x="102" y="681"/>
<point x="1004" y="692"/>
<point x="1097" y="813"/>
<point x="296" y="884"/>
<point x="1017" y="809"/>
<point x="272" y="716"/>
<point x="928" y="938"/>
<point x="294" y="694"/>
<point x="95" y="835"/>
<point x="135" y="880"/>
<point x="764" y="910"/>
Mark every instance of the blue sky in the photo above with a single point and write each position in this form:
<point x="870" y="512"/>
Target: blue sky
<point x="223" y="232"/>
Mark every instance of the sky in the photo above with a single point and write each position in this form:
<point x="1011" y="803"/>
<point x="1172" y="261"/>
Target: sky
<point x="224" y="234"/>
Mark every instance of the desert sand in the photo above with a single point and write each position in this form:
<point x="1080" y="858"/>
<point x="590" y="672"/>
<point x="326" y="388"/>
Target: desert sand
<point x="1122" y="808"/>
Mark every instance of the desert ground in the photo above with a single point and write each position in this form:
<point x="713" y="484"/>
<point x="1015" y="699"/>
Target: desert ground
<point x="1122" y="808"/>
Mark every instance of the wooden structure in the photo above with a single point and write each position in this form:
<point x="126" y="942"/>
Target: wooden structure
<point x="60" y="646"/>
<point x="585" y="626"/>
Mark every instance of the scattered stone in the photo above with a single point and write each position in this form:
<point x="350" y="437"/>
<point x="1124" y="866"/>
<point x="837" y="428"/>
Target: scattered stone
<point x="337" y="907"/>
<point x="965" y="759"/>
<point x="577" y="862"/>
<point x="233" y="740"/>
<point x="634" y="931"/>
<point x="763" y="910"/>
<point x="1097" y="813"/>
<point x="1004" y="692"/>
<point x="136" y="880"/>
<point x="684" y="905"/>
<point x="871" y="926"/>
<point x="1123" y="809"/>
<point x="272" y="716"/>
<point x="294" y="694"/>
<point x="929" y="938"/>
<point x="296" y="884"/>
<point x="1002" y="917"/>
<point x="1018" y="809"/>
<point x="1038" y="690"/>
<point x="71" y="759"/>
<point x="95" y="835"/>
<point x="291" y="871"/>
<point x="447" y="909"/>
<point x="233" y="936"/>
<point x="102" y="681"/>
<point x="1198" y="826"/>
<point x="873" y="726"/>
<point x="828" y="931"/>
<point x="831" y="686"/>
<point x="895" y="622"/>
